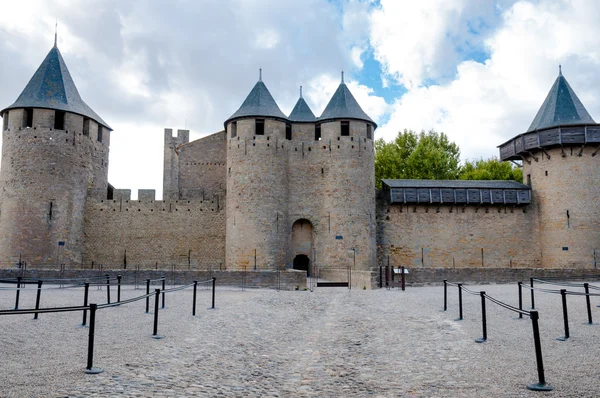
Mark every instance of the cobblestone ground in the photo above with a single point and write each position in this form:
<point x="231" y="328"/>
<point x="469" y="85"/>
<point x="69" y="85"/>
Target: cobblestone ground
<point x="328" y="343"/>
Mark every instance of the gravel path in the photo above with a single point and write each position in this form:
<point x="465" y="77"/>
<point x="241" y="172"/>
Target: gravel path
<point x="328" y="343"/>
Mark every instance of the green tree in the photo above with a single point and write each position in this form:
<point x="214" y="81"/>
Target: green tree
<point x="426" y="155"/>
<point x="490" y="169"/>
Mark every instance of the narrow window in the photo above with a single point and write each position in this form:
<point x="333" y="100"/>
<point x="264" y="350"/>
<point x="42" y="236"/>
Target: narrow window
<point x="369" y="131"/>
<point x="59" y="120"/>
<point x="50" y="211"/>
<point x="260" y="127"/>
<point x="99" y="133"/>
<point x="529" y="179"/>
<point x="317" y="132"/>
<point x="86" y="126"/>
<point x="28" y="117"/>
<point x="288" y="131"/>
<point x="233" y="129"/>
<point x="5" y="121"/>
<point x="345" y="129"/>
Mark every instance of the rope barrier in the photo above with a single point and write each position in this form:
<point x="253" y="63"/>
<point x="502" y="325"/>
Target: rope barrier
<point x="40" y="310"/>
<point x="507" y="306"/>
<point x="558" y="284"/>
<point x="131" y="300"/>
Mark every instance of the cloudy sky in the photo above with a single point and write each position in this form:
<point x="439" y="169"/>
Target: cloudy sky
<point x="477" y="70"/>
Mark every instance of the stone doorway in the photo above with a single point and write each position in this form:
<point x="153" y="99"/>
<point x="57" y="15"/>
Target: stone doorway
<point x="302" y="245"/>
<point x="302" y="263"/>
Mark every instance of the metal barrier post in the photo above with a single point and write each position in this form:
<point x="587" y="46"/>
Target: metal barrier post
<point x="194" y="299"/>
<point x="37" y="298"/>
<point x="214" y="285"/>
<point x="541" y="385"/>
<point x="563" y="294"/>
<point x="118" y="288"/>
<point x="460" y="311"/>
<point x="163" y="292"/>
<point x="380" y="277"/>
<point x="147" y="298"/>
<point x="445" y="294"/>
<point x="532" y="294"/>
<point x="387" y="276"/>
<point x="108" y="288"/>
<point x="155" y="334"/>
<point x="403" y="278"/>
<point x="483" y="319"/>
<point x="586" y="286"/>
<point x="90" y="369"/>
<point x="18" y="293"/>
<point x="85" y="302"/>
<point x="520" y="299"/>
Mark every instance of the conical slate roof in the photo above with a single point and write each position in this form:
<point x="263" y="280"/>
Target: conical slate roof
<point x="560" y="107"/>
<point x="258" y="103"/>
<point x="343" y="106"/>
<point x="302" y="113"/>
<point x="52" y="87"/>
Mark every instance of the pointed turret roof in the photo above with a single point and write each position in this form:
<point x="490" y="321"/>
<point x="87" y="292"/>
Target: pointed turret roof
<point x="52" y="87"/>
<point x="301" y="112"/>
<point x="343" y="106"/>
<point x="560" y="107"/>
<point x="259" y="103"/>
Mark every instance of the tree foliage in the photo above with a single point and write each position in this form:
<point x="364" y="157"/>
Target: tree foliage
<point x="490" y="169"/>
<point x="425" y="155"/>
<point x="431" y="156"/>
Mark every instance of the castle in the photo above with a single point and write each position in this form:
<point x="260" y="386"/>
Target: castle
<point x="272" y="190"/>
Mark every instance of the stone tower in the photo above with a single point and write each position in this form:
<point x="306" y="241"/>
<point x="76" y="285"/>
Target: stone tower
<point x="560" y="164"/>
<point x="300" y="189"/>
<point x="54" y="148"/>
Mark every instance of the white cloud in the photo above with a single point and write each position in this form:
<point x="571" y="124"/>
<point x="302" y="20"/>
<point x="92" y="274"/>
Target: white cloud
<point x="267" y="39"/>
<point x="356" y="54"/>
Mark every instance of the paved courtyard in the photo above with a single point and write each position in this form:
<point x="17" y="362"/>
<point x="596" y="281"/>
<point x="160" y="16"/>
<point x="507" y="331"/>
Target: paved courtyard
<point x="328" y="343"/>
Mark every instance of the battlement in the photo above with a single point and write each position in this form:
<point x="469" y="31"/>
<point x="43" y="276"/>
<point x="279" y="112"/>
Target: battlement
<point x="182" y="137"/>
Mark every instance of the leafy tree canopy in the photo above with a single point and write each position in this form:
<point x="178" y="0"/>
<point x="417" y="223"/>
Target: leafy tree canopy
<point x="490" y="169"/>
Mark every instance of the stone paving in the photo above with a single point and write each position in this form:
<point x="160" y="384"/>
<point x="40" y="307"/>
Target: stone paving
<point x="328" y="343"/>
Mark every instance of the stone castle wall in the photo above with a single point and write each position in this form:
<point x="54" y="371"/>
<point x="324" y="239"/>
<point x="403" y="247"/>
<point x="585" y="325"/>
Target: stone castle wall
<point x="45" y="177"/>
<point x="566" y="189"/>
<point x="202" y="166"/>
<point x="188" y="233"/>
<point x="426" y="236"/>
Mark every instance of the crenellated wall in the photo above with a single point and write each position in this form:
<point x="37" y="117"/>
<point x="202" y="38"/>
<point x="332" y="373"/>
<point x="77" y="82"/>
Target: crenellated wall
<point x="202" y="167"/>
<point x="148" y="231"/>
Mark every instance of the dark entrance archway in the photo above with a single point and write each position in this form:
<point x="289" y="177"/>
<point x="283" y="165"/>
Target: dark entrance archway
<point x="302" y="263"/>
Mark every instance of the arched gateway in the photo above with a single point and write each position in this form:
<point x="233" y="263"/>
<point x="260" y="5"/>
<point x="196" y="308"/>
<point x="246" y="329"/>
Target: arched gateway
<point x="302" y="244"/>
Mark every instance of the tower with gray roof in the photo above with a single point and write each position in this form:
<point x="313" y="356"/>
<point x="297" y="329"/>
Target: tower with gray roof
<point x="558" y="152"/>
<point x="54" y="148"/>
<point x="300" y="188"/>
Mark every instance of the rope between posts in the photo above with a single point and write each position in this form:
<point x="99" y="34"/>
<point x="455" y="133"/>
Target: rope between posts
<point x="541" y="290"/>
<point x="507" y="306"/>
<point x="558" y="291"/>
<point x="451" y="283"/>
<point x="159" y="279"/>
<point x="559" y="284"/>
<point x="42" y="310"/>
<point x="131" y="300"/>
<point x="174" y="289"/>
<point x="469" y="291"/>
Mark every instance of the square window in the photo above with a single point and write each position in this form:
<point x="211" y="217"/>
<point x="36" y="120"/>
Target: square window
<point x="233" y="129"/>
<point x="260" y="127"/>
<point x="345" y="129"/>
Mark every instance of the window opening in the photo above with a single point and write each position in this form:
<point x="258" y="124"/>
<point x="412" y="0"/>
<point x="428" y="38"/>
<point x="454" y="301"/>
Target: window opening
<point x="260" y="127"/>
<point x="59" y="120"/>
<point x="86" y="126"/>
<point x="345" y="129"/>
<point x="99" y="133"/>
<point x="369" y="131"/>
<point x="5" y="121"/>
<point x="233" y="129"/>
<point x="529" y="179"/>
<point x="317" y="132"/>
<point x="288" y="131"/>
<point x="28" y="117"/>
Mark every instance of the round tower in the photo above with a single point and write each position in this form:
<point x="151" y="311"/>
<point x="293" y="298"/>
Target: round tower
<point x="54" y="148"/>
<point x="257" y="183"/>
<point x="560" y="163"/>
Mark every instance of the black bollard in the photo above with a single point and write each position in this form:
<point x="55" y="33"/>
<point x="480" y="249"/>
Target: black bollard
<point x="108" y="288"/>
<point x="380" y="277"/>
<point x="147" y="298"/>
<point x="520" y="299"/>
<point x="163" y="292"/>
<point x="85" y="302"/>
<point x="541" y="385"/>
<point x="483" y="319"/>
<point x="18" y="293"/>
<point x="155" y="334"/>
<point x="90" y="369"/>
<point x="445" y="295"/>
<point x="387" y="276"/>
<point x="460" y="311"/>
<point x="37" y="298"/>
<point x="214" y="285"/>
<point x="118" y="288"/>
<point x="563" y="294"/>
<point x="532" y="294"/>
<point x="586" y="286"/>
<point x="194" y="299"/>
<point x="403" y="278"/>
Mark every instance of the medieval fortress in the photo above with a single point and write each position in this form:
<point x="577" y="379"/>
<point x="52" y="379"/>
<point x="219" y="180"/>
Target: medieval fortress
<point x="272" y="190"/>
